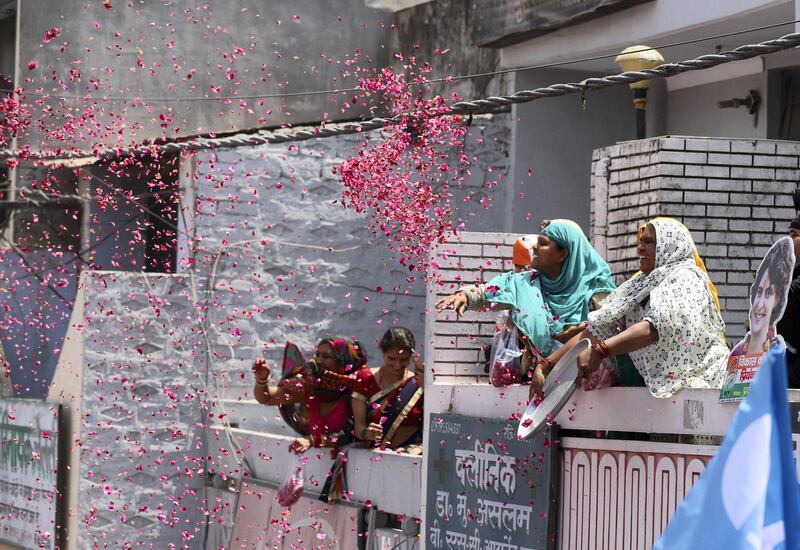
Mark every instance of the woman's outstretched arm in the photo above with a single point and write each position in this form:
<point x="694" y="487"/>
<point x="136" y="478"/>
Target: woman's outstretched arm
<point x="635" y="337"/>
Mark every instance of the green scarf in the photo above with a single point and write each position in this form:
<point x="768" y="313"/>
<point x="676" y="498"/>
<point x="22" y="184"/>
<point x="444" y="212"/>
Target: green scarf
<point x="540" y="307"/>
<point x="583" y="274"/>
<point x="529" y="311"/>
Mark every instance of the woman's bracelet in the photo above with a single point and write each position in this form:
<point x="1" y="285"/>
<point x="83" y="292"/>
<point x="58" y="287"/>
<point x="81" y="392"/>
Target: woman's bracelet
<point x="601" y="348"/>
<point x="262" y="381"/>
<point x="548" y="364"/>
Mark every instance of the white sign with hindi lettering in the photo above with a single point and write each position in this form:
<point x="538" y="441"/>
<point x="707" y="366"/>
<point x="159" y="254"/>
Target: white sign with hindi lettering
<point x="28" y="472"/>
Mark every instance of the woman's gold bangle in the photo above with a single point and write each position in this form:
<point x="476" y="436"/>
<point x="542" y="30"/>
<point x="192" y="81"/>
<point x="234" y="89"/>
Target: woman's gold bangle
<point x="262" y="381"/>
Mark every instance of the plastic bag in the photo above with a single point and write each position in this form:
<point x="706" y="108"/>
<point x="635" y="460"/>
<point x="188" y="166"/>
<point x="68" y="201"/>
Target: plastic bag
<point x="506" y="357"/>
<point x="291" y="488"/>
<point x="605" y="376"/>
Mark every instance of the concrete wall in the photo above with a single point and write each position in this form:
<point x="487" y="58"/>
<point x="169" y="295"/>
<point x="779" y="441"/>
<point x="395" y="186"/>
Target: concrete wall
<point x="180" y="38"/>
<point x="695" y="111"/>
<point x="8" y="47"/>
<point x="552" y="148"/>
<point x="652" y="23"/>
<point x="143" y="385"/>
<point x="446" y="25"/>
<point x="296" y="265"/>
<point x="65" y="390"/>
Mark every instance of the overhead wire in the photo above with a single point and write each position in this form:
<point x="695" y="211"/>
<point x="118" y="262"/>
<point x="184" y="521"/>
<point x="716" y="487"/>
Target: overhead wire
<point x="462" y="107"/>
<point x="41" y="279"/>
<point x="135" y="202"/>
<point x="277" y="95"/>
<point x="92" y="248"/>
<point x="469" y="107"/>
<point x="614" y="55"/>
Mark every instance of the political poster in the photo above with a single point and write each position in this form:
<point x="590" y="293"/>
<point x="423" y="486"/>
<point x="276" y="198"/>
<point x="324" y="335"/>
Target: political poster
<point x="768" y="295"/>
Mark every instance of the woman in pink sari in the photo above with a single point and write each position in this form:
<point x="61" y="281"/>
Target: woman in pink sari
<point x="315" y="397"/>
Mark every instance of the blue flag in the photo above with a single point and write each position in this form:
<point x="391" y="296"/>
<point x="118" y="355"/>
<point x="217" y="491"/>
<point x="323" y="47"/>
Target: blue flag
<point x="748" y="496"/>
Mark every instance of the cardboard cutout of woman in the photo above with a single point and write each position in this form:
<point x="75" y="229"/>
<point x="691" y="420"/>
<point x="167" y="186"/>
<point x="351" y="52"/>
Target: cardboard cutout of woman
<point x="768" y="296"/>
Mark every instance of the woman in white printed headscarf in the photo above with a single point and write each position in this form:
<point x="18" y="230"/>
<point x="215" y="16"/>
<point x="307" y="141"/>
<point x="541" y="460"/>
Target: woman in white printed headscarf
<point x="666" y="317"/>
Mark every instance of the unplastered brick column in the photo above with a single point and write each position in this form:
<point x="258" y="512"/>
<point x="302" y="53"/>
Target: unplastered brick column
<point x="734" y="195"/>
<point x="456" y="344"/>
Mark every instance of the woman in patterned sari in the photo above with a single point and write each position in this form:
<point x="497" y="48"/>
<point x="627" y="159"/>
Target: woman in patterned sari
<point x="387" y="401"/>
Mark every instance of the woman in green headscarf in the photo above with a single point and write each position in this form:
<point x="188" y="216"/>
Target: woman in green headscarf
<point x="568" y="278"/>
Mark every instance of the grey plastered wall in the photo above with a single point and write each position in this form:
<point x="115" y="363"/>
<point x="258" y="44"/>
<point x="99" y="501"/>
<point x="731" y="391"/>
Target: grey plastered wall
<point x="445" y="26"/>
<point x="696" y="111"/>
<point x="293" y="41"/>
<point x="142" y="467"/>
<point x="554" y="139"/>
<point x="734" y="195"/>
<point x="296" y="264"/>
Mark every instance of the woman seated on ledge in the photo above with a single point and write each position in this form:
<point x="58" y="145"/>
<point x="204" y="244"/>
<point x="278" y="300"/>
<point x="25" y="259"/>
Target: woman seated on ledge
<point x="666" y="317"/>
<point x="319" y="394"/>
<point x="387" y="401"/>
<point x="551" y="302"/>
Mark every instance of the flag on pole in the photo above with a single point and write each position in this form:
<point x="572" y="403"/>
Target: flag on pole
<point x="748" y="497"/>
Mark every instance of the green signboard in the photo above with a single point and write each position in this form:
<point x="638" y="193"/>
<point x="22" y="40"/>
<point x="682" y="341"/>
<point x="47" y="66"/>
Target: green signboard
<point x="486" y="489"/>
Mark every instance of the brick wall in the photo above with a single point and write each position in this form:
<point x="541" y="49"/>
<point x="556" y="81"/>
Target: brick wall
<point x="456" y="344"/>
<point x="734" y="195"/>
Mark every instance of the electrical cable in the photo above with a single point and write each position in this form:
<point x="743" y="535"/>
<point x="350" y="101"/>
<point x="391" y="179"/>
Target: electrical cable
<point x="41" y="279"/>
<point x="79" y="255"/>
<point x="471" y="107"/>
<point x="614" y="55"/>
<point x="135" y="202"/>
<point x="434" y="80"/>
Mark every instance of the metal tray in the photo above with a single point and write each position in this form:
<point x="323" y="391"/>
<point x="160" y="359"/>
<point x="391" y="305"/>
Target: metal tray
<point x="558" y="389"/>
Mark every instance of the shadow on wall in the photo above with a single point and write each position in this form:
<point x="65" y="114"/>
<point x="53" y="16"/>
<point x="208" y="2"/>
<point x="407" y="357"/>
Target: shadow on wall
<point x="34" y="319"/>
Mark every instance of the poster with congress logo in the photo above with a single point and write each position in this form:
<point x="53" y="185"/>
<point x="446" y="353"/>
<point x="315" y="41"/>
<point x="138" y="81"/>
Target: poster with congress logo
<point x="768" y="295"/>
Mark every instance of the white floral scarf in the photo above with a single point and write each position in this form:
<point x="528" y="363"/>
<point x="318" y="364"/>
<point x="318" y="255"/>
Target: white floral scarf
<point x="676" y="298"/>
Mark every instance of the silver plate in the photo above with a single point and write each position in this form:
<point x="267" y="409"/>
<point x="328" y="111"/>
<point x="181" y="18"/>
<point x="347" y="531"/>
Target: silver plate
<point x="558" y="388"/>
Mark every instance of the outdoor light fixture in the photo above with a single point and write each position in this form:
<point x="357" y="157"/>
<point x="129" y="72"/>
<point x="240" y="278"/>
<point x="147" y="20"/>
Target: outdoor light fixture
<point x="639" y="58"/>
<point x="752" y="101"/>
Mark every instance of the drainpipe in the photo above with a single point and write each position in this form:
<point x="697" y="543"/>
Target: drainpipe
<point x="85" y="193"/>
<point x="600" y="218"/>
